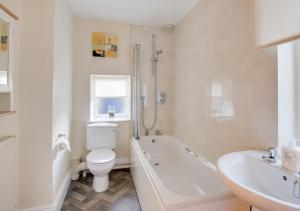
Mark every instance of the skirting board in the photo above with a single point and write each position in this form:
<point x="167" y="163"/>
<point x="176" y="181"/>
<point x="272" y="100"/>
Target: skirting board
<point x="59" y="198"/>
<point x="122" y="163"/>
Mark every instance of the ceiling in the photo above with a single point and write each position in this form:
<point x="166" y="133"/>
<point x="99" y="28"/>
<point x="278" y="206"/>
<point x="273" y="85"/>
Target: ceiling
<point x="139" y="12"/>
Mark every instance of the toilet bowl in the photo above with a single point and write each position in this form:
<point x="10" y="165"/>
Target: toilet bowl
<point x="100" y="162"/>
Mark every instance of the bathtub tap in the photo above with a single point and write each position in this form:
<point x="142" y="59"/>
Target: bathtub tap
<point x="158" y="132"/>
<point x="272" y="155"/>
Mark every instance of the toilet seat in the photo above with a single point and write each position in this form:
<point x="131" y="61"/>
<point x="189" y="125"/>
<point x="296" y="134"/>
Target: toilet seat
<point x="100" y="156"/>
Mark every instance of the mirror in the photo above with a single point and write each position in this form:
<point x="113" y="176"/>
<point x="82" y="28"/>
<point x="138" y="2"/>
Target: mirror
<point x="4" y="46"/>
<point x="6" y="61"/>
<point x="4" y="55"/>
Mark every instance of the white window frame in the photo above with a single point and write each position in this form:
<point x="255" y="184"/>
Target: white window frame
<point x="94" y="117"/>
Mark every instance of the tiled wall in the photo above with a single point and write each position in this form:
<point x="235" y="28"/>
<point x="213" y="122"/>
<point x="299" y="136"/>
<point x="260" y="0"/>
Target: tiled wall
<point x="225" y="90"/>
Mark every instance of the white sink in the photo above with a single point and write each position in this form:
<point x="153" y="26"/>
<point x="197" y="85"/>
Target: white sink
<point x="261" y="184"/>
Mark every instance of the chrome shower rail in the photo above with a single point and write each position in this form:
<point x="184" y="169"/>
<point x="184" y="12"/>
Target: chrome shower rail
<point x="136" y="93"/>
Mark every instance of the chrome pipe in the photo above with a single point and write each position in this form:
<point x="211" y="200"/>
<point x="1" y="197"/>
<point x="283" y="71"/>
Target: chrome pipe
<point x="136" y="93"/>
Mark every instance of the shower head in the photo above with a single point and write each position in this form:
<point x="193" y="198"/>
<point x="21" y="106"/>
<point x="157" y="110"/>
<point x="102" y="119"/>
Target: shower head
<point x="157" y="52"/>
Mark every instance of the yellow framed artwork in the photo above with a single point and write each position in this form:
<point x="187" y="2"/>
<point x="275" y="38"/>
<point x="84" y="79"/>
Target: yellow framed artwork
<point x="4" y="31"/>
<point x="105" y="45"/>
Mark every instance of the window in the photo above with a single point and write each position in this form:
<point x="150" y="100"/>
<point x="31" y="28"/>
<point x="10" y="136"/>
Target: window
<point x="110" y="98"/>
<point x="222" y="106"/>
<point x="288" y="92"/>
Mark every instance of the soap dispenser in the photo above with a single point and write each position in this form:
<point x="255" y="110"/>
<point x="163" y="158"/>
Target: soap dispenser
<point x="291" y="156"/>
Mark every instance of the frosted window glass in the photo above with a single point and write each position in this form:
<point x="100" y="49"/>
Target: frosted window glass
<point x="111" y="88"/>
<point x="104" y="103"/>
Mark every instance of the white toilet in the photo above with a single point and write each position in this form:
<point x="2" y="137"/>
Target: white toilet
<point x="100" y="141"/>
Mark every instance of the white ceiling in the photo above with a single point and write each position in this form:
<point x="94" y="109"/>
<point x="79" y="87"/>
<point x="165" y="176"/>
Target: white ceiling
<point x="139" y="12"/>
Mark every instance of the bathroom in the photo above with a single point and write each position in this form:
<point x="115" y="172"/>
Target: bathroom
<point x="149" y="105"/>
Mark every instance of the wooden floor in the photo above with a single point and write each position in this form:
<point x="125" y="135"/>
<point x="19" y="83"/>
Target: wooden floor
<point x="120" y="196"/>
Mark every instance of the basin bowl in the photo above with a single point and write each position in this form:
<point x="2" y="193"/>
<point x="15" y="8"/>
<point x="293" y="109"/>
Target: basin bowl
<point x="264" y="185"/>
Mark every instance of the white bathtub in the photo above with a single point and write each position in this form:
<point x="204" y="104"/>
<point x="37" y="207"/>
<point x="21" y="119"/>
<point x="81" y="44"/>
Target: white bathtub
<point x="169" y="176"/>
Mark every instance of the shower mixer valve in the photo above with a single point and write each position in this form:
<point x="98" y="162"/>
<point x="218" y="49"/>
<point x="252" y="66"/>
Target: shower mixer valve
<point x="161" y="97"/>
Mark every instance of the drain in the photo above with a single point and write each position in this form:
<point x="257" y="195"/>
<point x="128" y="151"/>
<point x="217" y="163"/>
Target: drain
<point x="157" y="164"/>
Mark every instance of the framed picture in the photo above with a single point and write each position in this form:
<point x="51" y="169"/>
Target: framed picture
<point x="105" y="45"/>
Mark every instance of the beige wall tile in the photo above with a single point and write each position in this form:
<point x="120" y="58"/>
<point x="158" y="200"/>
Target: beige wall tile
<point x="214" y="49"/>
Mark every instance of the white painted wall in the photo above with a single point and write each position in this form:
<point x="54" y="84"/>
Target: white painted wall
<point x="276" y="21"/>
<point x="35" y="103"/>
<point x="45" y="99"/>
<point x="85" y="65"/>
<point x="9" y="162"/>
<point x="62" y="89"/>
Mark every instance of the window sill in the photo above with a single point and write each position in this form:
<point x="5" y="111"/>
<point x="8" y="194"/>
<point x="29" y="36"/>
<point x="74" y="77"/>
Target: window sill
<point x="111" y="120"/>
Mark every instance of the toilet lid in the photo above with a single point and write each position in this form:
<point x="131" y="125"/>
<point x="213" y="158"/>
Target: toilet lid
<point x="100" y="156"/>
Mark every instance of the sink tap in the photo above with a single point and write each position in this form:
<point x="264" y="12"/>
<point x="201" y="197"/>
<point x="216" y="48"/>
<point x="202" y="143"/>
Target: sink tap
<point x="158" y="133"/>
<point x="147" y="133"/>
<point x="272" y="155"/>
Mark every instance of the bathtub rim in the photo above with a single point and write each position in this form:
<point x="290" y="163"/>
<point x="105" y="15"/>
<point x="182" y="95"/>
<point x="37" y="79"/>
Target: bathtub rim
<point x="182" y="201"/>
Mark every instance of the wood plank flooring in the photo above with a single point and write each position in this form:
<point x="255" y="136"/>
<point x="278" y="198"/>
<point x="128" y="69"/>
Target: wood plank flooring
<point x="120" y="196"/>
